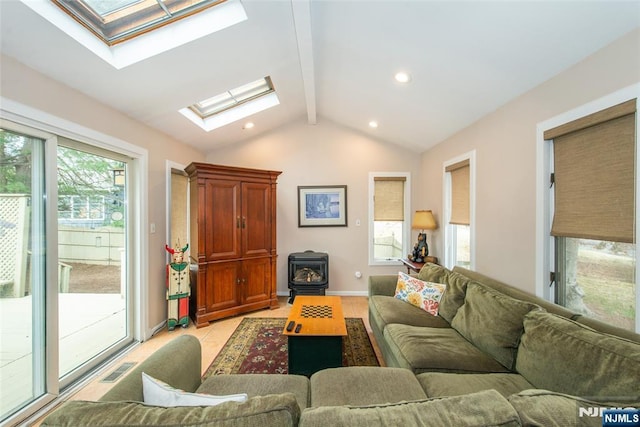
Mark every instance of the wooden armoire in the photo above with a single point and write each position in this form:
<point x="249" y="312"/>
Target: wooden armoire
<point x="233" y="240"/>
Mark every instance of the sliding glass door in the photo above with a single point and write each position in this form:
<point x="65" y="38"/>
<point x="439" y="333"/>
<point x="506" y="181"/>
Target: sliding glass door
<point x="22" y="270"/>
<point x="92" y="254"/>
<point x="65" y="293"/>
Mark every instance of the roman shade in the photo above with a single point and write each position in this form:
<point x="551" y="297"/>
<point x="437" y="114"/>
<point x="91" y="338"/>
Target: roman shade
<point x="594" y="175"/>
<point x="388" y="199"/>
<point x="459" y="192"/>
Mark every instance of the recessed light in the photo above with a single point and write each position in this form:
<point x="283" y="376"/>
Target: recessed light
<point x="402" y="77"/>
<point x="248" y="125"/>
<point x="373" y="124"/>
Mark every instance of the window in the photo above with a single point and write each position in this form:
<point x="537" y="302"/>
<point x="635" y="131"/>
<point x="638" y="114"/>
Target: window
<point x="593" y="227"/>
<point x="232" y="105"/>
<point x="110" y="28"/>
<point x="117" y="20"/>
<point x="389" y="217"/>
<point x="233" y="97"/>
<point x="81" y="208"/>
<point x="459" y="207"/>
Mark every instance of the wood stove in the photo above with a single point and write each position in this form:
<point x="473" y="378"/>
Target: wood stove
<point x="308" y="273"/>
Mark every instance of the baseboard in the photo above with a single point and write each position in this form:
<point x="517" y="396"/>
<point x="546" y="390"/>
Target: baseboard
<point x="349" y="293"/>
<point x="336" y="293"/>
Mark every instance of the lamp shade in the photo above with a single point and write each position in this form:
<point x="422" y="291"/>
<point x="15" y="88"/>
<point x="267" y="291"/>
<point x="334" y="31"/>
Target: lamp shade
<point x="424" y="220"/>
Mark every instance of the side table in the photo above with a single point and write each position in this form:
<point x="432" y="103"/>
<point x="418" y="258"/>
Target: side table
<point x="416" y="266"/>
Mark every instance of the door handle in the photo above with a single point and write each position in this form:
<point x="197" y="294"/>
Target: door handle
<point x="238" y="222"/>
<point x="244" y="222"/>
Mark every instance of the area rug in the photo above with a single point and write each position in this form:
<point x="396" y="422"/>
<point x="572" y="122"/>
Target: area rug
<point x="257" y="346"/>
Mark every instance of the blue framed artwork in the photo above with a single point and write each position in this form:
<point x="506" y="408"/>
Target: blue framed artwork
<point x="322" y="206"/>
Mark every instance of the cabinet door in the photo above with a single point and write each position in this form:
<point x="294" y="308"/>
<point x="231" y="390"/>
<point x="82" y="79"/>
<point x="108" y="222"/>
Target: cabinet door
<point x="222" y="219"/>
<point x="222" y="287"/>
<point x="256" y="219"/>
<point x="256" y="279"/>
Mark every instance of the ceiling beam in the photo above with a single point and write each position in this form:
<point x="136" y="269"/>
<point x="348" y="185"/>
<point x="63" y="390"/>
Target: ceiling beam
<point x="302" y="23"/>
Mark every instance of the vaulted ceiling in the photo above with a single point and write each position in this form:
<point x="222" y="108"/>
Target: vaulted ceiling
<point x="335" y="60"/>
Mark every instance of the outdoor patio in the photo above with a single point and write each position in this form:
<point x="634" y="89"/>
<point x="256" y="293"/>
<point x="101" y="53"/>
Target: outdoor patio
<point x="87" y="322"/>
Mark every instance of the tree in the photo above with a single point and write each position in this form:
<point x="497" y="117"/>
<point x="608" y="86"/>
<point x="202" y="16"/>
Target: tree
<point x="80" y="174"/>
<point x="88" y="178"/>
<point x="15" y="163"/>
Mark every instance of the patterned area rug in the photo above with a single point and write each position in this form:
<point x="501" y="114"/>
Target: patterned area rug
<point x="257" y="346"/>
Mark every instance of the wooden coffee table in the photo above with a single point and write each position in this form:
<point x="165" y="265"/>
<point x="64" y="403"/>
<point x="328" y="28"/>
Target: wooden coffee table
<point x="318" y="343"/>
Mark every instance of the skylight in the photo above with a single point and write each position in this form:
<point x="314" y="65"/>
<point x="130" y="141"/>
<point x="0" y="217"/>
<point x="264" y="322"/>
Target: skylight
<point x="129" y="31"/>
<point x="233" y="97"/>
<point x="114" y="21"/>
<point x="232" y="105"/>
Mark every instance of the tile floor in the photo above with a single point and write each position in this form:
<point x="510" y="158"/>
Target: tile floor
<point x="212" y="338"/>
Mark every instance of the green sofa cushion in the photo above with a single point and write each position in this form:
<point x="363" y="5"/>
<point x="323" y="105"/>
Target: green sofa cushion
<point x="487" y="408"/>
<point x="264" y="411"/>
<point x="513" y="292"/>
<point x="549" y="409"/>
<point x="438" y="384"/>
<point x="259" y="385"/>
<point x="184" y="375"/>
<point x="388" y="310"/>
<point x="364" y="385"/>
<point x="433" y="273"/>
<point x="436" y="349"/>
<point x="453" y="297"/>
<point x="561" y="355"/>
<point x="492" y="321"/>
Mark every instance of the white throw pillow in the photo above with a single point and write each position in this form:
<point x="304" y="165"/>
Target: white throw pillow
<point x="158" y="393"/>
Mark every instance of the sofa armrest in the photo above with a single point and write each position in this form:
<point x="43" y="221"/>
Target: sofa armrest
<point x="383" y="285"/>
<point x="178" y="363"/>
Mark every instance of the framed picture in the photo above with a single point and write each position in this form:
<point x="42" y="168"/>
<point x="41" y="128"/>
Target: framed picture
<point x="322" y="206"/>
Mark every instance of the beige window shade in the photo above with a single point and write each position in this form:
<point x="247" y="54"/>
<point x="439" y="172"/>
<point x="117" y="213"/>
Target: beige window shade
<point x="388" y="199"/>
<point x="594" y="174"/>
<point x="460" y="200"/>
<point x="614" y="112"/>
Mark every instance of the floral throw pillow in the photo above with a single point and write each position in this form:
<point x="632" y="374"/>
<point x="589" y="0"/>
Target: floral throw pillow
<point x="424" y="295"/>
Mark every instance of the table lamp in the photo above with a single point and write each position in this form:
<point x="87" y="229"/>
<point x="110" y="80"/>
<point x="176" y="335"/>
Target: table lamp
<point x="422" y="220"/>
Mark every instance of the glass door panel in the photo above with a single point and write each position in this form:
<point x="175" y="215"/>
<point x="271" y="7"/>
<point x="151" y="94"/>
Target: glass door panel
<point x="92" y="253"/>
<point x="22" y="316"/>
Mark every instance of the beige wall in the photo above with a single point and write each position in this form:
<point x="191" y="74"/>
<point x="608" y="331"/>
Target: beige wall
<point x="26" y="86"/>
<point x="329" y="154"/>
<point x="324" y="154"/>
<point x="505" y="144"/>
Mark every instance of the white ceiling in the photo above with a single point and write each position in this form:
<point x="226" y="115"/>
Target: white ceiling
<point x="335" y="60"/>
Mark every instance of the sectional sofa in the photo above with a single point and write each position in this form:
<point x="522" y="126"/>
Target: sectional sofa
<point x="493" y="355"/>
